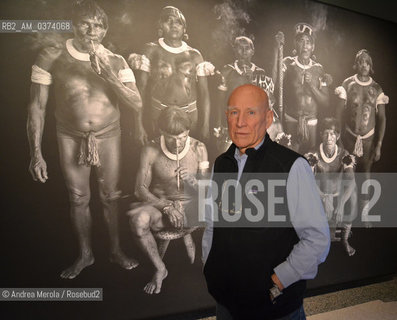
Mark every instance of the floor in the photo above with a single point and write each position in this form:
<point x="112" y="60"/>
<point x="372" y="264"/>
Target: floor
<point x="383" y="291"/>
<point x="365" y="302"/>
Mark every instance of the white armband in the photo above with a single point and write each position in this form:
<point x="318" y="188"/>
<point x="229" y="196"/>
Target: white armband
<point x="139" y="62"/>
<point x="126" y="75"/>
<point x="222" y="87"/>
<point x="204" y="165"/>
<point x="40" y="76"/>
<point x="341" y="92"/>
<point x="145" y="66"/>
<point x="382" y="99"/>
<point x="347" y="166"/>
<point x="205" y="69"/>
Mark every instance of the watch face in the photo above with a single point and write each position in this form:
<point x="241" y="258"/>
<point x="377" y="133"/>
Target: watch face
<point x="275" y="291"/>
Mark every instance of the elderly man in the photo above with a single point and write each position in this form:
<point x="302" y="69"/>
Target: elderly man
<point x="362" y="111"/>
<point x="334" y="168"/>
<point x="174" y="74"/>
<point x="305" y="88"/>
<point x="166" y="183"/>
<point x="256" y="271"/>
<point x="241" y="71"/>
<point x="89" y="83"/>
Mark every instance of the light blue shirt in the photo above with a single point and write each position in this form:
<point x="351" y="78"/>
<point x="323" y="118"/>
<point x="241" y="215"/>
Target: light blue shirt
<point x="304" y="205"/>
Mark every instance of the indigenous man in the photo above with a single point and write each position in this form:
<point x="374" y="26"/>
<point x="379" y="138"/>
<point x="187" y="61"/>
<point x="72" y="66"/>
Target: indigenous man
<point x="89" y="82"/>
<point x="305" y="87"/>
<point x="334" y="167"/>
<point x="166" y="176"/>
<point x="174" y="74"/>
<point x="241" y="71"/>
<point x="362" y="108"/>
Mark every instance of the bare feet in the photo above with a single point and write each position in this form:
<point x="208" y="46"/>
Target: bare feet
<point x="74" y="270"/>
<point x="349" y="249"/>
<point x="154" y="286"/>
<point x="123" y="261"/>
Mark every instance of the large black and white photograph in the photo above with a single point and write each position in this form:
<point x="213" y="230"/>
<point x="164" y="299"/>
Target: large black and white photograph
<point x="112" y="118"/>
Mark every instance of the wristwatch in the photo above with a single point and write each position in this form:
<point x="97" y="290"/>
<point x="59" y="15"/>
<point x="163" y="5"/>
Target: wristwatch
<point x="274" y="293"/>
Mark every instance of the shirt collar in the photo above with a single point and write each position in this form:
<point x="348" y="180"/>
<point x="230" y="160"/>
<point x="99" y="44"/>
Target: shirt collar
<point x="240" y="157"/>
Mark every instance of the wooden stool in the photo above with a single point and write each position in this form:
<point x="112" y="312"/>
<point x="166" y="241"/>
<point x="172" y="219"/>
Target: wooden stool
<point x="165" y="236"/>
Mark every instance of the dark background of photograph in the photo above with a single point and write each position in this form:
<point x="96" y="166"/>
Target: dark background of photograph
<point x="36" y="236"/>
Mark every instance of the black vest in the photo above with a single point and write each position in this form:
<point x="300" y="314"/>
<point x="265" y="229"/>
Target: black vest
<point x="241" y="260"/>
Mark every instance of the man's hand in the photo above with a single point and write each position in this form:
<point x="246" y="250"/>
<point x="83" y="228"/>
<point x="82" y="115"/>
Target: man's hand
<point x="100" y="64"/>
<point x="175" y="217"/>
<point x="280" y="39"/>
<point x="38" y="168"/>
<point x="277" y="281"/>
<point x="329" y="214"/>
<point x="141" y="136"/>
<point x="186" y="176"/>
<point x="339" y="214"/>
<point x="248" y="73"/>
<point x="377" y="152"/>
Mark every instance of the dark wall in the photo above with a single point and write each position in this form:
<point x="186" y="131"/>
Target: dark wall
<point x="380" y="9"/>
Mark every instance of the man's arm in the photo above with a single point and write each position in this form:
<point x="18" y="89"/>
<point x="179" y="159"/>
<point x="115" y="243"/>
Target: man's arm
<point x="41" y="80"/>
<point x="340" y="104"/>
<point x="127" y="94"/>
<point x="142" y="192"/>
<point x="380" y="129"/>
<point x="202" y="163"/>
<point x="310" y="224"/>
<point x="221" y="97"/>
<point x="141" y="63"/>
<point x="124" y="86"/>
<point x="203" y="70"/>
<point x="207" y="235"/>
<point x="35" y="126"/>
<point x="347" y="186"/>
<point x="204" y="103"/>
<point x="279" y="42"/>
<point x="140" y="133"/>
<point x="209" y="224"/>
<point x="144" y="178"/>
<point x="339" y="111"/>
